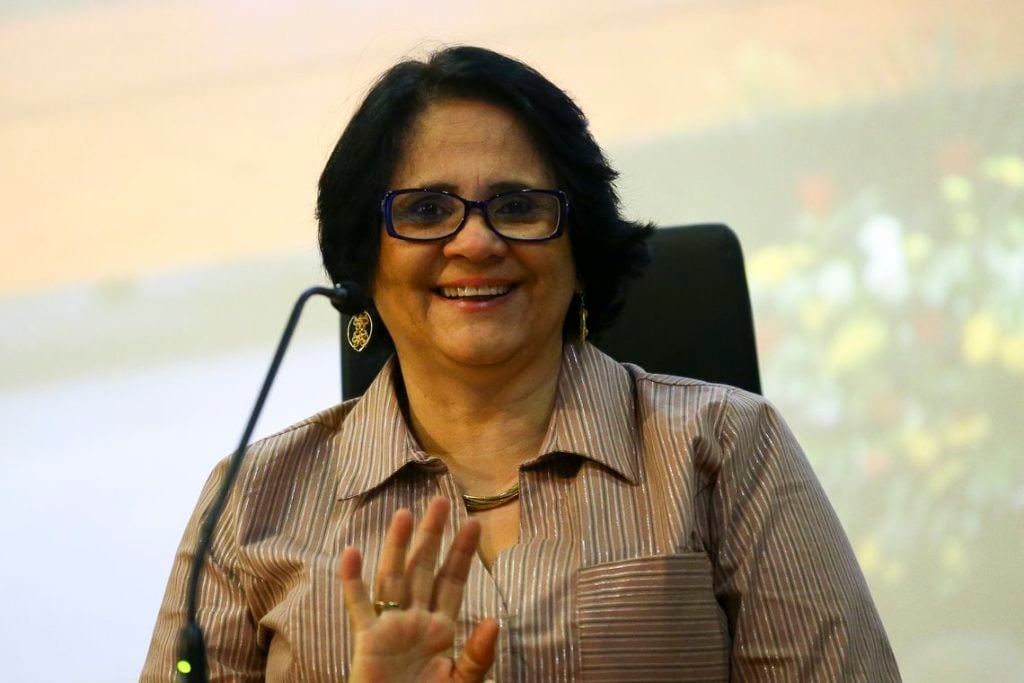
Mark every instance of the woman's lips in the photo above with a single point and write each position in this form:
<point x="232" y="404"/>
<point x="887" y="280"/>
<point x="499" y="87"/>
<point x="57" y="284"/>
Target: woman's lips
<point x="475" y="291"/>
<point x="467" y="295"/>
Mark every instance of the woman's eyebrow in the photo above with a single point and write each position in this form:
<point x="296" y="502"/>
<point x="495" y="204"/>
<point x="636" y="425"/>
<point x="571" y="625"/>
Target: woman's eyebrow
<point x="509" y="185"/>
<point x="493" y="188"/>
<point x="438" y="186"/>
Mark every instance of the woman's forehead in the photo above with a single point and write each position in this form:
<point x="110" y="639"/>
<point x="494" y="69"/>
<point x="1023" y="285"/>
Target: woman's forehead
<point x="459" y="126"/>
<point x="458" y="142"/>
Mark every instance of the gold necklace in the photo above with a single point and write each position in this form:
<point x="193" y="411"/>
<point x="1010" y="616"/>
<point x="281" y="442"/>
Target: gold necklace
<point x="480" y="503"/>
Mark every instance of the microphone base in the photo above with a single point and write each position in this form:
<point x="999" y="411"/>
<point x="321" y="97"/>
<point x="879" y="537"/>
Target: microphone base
<point x="191" y="663"/>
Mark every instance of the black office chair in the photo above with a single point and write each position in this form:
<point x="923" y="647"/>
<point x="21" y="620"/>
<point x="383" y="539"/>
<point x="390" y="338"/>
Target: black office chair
<point x="689" y="315"/>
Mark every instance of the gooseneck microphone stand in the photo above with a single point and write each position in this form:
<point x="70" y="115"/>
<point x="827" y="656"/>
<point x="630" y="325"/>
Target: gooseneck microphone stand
<point x="191" y="666"/>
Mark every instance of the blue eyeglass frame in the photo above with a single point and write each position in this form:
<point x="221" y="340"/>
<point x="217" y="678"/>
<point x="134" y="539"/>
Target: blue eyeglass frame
<point x="386" y="206"/>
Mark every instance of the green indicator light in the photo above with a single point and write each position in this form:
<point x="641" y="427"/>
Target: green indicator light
<point x="184" y="667"/>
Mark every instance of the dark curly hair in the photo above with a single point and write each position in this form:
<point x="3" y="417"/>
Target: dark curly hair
<point x="607" y="249"/>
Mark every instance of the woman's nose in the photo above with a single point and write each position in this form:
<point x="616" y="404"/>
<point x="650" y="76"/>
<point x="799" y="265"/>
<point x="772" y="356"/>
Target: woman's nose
<point x="476" y="241"/>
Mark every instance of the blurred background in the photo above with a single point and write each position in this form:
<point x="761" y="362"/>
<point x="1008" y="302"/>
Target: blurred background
<point x="158" y="163"/>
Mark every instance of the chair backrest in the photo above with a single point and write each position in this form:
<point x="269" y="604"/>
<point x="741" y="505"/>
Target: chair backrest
<point x="688" y="315"/>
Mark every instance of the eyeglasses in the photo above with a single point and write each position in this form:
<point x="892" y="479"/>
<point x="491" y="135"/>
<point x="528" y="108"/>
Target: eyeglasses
<point x="520" y="215"/>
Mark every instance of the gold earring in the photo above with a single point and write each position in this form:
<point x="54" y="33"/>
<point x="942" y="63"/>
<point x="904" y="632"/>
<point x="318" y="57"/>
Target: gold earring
<point x="583" y="319"/>
<point x="360" y="329"/>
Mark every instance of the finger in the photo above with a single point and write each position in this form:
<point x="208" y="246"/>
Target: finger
<point x="451" y="580"/>
<point x="390" y="584"/>
<point x="357" y="600"/>
<point x="423" y="557"/>
<point x="478" y="655"/>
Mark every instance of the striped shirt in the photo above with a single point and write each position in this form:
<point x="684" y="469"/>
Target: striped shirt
<point x="670" y="530"/>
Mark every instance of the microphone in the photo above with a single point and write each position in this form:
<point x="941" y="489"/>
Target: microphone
<point x="347" y="298"/>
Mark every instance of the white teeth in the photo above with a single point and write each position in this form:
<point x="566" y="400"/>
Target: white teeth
<point x="457" y="292"/>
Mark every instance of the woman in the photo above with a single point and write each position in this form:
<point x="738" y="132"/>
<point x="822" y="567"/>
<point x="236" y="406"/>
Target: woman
<point x="612" y="524"/>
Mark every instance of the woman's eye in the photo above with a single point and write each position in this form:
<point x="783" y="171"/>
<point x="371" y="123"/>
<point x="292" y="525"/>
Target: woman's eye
<point x="426" y="209"/>
<point x="516" y="207"/>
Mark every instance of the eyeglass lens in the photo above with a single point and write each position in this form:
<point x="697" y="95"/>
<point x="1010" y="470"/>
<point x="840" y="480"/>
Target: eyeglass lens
<point x="517" y="215"/>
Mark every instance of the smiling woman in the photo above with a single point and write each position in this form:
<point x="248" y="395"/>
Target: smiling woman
<point x="430" y="293"/>
<point x="616" y="525"/>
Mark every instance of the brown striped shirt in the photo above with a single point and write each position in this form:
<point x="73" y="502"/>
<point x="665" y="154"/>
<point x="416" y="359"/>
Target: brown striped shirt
<point x="671" y="530"/>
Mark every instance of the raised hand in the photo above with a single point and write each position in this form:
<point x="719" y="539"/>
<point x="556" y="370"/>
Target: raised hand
<point x="407" y="633"/>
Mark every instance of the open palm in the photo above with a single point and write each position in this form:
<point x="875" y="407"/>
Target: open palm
<point x="411" y="638"/>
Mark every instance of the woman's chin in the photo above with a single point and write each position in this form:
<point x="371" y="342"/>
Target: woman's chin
<point x="477" y="353"/>
<point x="485" y="343"/>
<point x="487" y="348"/>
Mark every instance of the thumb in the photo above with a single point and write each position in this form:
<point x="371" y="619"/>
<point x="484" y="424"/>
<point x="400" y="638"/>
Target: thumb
<point x="476" y="658"/>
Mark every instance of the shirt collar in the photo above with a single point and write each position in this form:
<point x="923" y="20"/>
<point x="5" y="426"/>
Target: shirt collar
<point x="375" y="441"/>
<point x="594" y="414"/>
<point x="593" y="418"/>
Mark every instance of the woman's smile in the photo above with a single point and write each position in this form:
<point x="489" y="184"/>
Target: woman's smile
<point x="476" y="294"/>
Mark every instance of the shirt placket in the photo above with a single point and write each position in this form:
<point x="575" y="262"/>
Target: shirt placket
<point x="483" y="596"/>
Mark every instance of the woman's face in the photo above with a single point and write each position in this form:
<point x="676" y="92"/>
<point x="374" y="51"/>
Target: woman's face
<point x="475" y="150"/>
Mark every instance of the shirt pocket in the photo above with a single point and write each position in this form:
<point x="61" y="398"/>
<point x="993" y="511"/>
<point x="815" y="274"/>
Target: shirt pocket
<point x="651" y="619"/>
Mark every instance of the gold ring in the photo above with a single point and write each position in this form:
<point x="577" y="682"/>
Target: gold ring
<point x="384" y="605"/>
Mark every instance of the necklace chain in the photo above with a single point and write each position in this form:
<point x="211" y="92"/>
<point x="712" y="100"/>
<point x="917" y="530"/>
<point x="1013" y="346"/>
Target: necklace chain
<point x="480" y="503"/>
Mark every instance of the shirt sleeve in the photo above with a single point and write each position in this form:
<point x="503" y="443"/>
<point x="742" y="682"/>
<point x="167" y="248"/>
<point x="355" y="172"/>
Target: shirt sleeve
<point x="797" y="604"/>
<point x="223" y="613"/>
